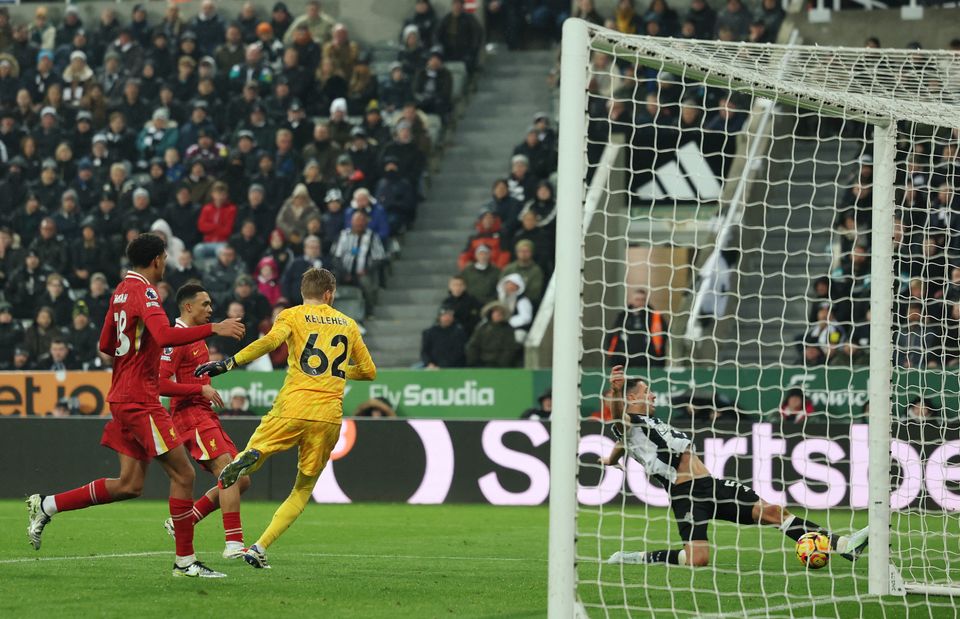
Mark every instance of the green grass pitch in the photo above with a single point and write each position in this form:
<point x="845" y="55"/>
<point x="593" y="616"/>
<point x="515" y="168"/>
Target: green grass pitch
<point x="389" y="560"/>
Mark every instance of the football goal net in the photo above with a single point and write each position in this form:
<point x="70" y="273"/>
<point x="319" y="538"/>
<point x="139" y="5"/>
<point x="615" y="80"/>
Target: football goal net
<point x="772" y="244"/>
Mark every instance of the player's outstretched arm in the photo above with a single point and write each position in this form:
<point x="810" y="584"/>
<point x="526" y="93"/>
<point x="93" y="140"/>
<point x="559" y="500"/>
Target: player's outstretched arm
<point x="363" y="367"/>
<point x="166" y="335"/>
<point x="617" y="381"/>
<point x="614" y="456"/>
<point x="268" y="343"/>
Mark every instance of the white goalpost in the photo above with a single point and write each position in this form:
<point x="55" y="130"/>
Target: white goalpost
<point x="790" y="214"/>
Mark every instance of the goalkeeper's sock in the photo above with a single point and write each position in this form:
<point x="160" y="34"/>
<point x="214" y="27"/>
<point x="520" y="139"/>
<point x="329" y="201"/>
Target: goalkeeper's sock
<point x="203" y="508"/>
<point x="795" y="527"/>
<point x="674" y="557"/>
<point x="289" y="510"/>
<point x="94" y="493"/>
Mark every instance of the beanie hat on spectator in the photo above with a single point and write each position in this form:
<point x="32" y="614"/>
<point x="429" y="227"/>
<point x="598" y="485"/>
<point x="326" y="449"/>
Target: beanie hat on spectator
<point x="84" y="116"/>
<point x="257" y="187"/>
<point x="520" y="159"/>
<point x="300" y="191"/>
<point x="344" y="160"/>
<point x="481" y="248"/>
<point x="525" y="243"/>
<point x="48" y="110"/>
<point x="140" y="191"/>
<point x="338" y="105"/>
<point x="541" y="116"/>
<point x="373" y="106"/>
<point x="264" y="28"/>
<point x="358" y="132"/>
<point x="49" y="164"/>
<point x="333" y="195"/>
<point x="113" y="55"/>
<point x="20" y="351"/>
<point x="411" y="29"/>
<point x="188" y="35"/>
<point x="69" y="193"/>
<point x="100" y="137"/>
<point x="78" y="55"/>
<point x="88" y="222"/>
<point x="161" y="113"/>
<point x="98" y="277"/>
<point x="295" y="106"/>
<point x="44" y="53"/>
<point x="243" y="280"/>
<point x="5" y="307"/>
<point x="437" y="51"/>
<point x="80" y="307"/>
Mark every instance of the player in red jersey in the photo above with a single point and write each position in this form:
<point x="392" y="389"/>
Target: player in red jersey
<point x="134" y="332"/>
<point x="195" y="421"/>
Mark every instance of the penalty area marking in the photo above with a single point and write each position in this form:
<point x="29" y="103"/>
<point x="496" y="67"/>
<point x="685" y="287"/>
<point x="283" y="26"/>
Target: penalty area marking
<point x="119" y="555"/>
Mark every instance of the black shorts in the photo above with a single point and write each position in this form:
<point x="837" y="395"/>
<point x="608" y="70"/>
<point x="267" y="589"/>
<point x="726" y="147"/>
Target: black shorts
<point x="696" y="502"/>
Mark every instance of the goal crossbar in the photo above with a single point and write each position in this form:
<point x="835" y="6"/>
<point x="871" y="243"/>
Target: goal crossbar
<point x="870" y="85"/>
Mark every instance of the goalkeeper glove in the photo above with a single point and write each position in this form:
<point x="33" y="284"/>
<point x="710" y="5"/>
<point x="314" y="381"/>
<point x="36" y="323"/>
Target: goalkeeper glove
<point x="215" y="368"/>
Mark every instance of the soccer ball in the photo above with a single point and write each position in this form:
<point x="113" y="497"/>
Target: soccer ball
<point x="813" y="550"/>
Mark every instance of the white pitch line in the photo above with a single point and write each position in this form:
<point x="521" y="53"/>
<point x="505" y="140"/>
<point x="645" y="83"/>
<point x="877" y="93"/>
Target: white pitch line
<point x="120" y="555"/>
<point x="335" y="555"/>
<point x="765" y="611"/>
<point x="332" y="555"/>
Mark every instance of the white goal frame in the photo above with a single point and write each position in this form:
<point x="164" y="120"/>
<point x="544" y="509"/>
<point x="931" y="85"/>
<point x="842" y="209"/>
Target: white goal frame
<point x="879" y="109"/>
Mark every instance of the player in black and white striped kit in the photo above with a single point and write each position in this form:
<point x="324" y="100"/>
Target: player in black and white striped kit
<point x="696" y="497"/>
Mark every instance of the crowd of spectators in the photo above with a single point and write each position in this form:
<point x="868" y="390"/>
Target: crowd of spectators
<point x="505" y="265"/>
<point x="508" y="259"/>
<point x="926" y="290"/>
<point x="257" y="145"/>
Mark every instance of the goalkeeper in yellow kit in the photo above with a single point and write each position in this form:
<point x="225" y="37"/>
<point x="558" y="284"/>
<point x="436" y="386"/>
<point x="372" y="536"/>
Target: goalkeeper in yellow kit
<point x="325" y="349"/>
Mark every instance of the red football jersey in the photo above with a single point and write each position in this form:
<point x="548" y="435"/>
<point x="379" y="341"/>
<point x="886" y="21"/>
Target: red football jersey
<point x="134" y="332"/>
<point x="180" y="362"/>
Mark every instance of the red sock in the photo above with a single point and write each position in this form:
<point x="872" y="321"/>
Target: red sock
<point x="94" y="493"/>
<point x="231" y="527"/>
<point x="202" y="508"/>
<point x="181" y="511"/>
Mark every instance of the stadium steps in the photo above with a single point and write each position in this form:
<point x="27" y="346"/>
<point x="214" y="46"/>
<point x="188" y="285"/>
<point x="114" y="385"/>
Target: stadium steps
<point x="511" y="89"/>
<point x="770" y="311"/>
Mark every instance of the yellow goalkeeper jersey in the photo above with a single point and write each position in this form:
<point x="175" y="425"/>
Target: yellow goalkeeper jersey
<point x="325" y="348"/>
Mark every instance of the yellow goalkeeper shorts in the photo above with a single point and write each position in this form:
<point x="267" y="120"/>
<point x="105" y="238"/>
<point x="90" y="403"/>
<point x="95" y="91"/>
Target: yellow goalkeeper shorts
<point x="314" y="439"/>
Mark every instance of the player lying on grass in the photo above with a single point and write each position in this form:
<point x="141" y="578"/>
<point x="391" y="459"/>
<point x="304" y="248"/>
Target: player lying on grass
<point x="325" y="350"/>
<point x="134" y="332"/>
<point x="696" y="497"/>
<point x="195" y="421"/>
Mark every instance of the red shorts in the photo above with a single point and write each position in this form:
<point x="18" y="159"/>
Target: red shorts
<point x="140" y="430"/>
<point x="203" y="436"/>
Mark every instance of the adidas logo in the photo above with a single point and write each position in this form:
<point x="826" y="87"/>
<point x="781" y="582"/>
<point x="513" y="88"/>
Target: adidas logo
<point x="687" y="177"/>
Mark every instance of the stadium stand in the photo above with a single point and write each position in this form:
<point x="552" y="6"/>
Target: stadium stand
<point x="235" y="137"/>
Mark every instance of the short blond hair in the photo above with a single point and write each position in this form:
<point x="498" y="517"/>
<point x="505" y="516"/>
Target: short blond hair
<point x="315" y="282"/>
